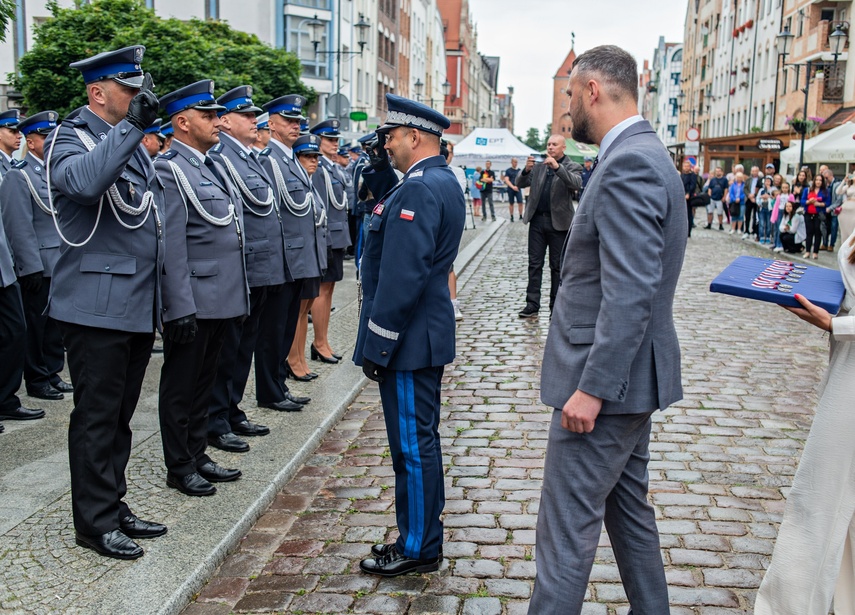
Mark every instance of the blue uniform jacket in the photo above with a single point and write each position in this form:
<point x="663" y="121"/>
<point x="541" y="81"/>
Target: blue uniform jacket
<point x="264" y="243"/>
<point x="112" y="282"/>
<point x="205" y="273"/>
<point x="407" y="321"/>
<point x="32" y="234"/>
<point x="338" y="234"/>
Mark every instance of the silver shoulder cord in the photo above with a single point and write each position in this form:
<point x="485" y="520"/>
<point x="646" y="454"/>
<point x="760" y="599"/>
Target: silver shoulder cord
<point x="249" y="197"/>
<point x="320" y="219"/>
<point x="35" y="194"/>
<point x="297" y="209"/>
<point x="331" y="193"/>
<point x="115" y="200"/>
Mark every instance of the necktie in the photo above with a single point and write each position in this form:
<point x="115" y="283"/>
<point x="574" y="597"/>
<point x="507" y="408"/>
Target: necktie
<point x="209" y="162"/>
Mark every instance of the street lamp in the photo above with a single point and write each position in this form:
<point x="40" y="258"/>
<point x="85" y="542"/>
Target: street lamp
<point x="418" y="87"/>
<point x="783" y="42"/>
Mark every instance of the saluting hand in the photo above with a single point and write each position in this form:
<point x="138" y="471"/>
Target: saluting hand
<point x="143" y="108"/>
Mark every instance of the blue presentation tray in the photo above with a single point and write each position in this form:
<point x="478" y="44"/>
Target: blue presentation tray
<point x="823" y="287"/>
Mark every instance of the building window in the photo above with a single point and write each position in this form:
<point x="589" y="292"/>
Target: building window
<point x="675" y="78"/>
<point x="297" y="41"/>
<point x="212" y="9"/>
<point x="672" y="131"/>
<point x="315" y="4"/>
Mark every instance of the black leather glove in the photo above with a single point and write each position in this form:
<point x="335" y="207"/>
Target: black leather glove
<point x="371" y="370"/>
<point x="378" y="157"/>
<point x="143" y="109"/>
<point x="32" y="283"/>
<point x="181" y="330"/>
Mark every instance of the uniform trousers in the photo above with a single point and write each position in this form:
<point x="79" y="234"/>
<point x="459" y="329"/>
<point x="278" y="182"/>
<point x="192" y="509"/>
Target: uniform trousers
<point x="13" y="343"/>
<point x="186" y="381"/>
<point x="542" y="236"/>
<point x="234" y="365"/>
<point x="107" y="368"/>
<point x="277" y="326"/>
<point x="411" y="403"/>
<point x="590" y="479"/>
<point x="45" y="352"/>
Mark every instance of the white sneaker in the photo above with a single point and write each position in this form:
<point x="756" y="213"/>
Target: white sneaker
<point x="745" y="235"/>
<point x="730" y="232"/>
<point x="458" y="315"/>
<point x="778" y="250"/>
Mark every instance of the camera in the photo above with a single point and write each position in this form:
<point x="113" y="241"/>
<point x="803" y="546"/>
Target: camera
<point x="538" y="158"/>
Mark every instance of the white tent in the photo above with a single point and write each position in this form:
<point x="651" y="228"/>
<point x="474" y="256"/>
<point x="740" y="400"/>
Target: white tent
<point x="497" y="145"/>
<point x="835" y="145"/>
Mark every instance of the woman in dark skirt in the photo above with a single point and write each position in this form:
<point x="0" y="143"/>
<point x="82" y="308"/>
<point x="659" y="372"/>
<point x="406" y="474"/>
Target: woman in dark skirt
<point x="307" y="154"/>
<point x="330" y="182"/>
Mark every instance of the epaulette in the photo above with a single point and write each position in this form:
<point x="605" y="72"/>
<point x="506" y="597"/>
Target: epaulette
<point x="76" y="122"/>
<point x="168" y="155"/>
<point x="217" y="148"/>
<point x="265" y="152"/>
<point x="18" y="164"/>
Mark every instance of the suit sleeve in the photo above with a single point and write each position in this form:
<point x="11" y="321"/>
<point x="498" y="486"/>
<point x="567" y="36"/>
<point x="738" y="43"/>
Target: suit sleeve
<point x="524" y="179"/>
<point x="177" y="294"/>
<point x="570" y="175"/>
<point x="84" y="176"/>
<point x="631" y="228"/>
<point x="409" y="247"/>
<point x="17" y="211"/>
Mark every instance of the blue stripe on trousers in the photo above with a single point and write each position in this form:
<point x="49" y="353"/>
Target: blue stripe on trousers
<point x="410" y="447"/>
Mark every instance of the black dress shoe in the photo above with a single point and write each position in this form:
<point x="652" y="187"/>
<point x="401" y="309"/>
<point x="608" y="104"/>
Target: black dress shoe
<point x="2" y="429"/>
<point x="45" y="391"/>
<point x="228" y="442"/>
<point x="112" y="544"/>
<point x="312" y="375"/>
<point x="134" y="527"/>
<point x="381" y="550"/>
<point x="63" y="387"/>
<point x="297" y="399"/>
<point x="528" y="311"/>
<point x="192" y="484"/>
<point x="393" y="564"/>
<point x="317" y="356"/>
<point x="22" y="414"/>
<point x="286" y="405"/>
<point x="245" y="428"/>
<point x="217" y="474"/>
<point x="290" y="374"/>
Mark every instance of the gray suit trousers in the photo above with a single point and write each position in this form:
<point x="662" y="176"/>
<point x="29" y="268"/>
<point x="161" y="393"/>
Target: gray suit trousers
<point x="590" y="479"/>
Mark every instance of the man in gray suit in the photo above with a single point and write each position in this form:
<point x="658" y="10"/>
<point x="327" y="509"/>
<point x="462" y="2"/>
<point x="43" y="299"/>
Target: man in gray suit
<point x="204" y="285"/>
<point x="548" y="213"/>
<point x="612" y="357"/>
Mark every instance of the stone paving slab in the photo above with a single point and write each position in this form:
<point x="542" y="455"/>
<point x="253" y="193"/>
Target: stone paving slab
<point x="42" y="571"/>
<point x="721" y="462"/>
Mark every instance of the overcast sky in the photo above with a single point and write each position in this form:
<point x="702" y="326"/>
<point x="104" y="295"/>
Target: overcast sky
<point x="532" y="37"/>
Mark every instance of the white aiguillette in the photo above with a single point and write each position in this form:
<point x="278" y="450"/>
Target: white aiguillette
<point x="776" y="281"/>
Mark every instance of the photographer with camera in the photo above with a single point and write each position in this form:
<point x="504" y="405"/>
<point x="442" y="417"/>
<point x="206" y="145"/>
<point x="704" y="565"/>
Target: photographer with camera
<point x="549" y="209"/>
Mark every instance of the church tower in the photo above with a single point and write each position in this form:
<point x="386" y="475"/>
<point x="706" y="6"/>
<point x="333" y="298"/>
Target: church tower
<point x="560" y="117"/>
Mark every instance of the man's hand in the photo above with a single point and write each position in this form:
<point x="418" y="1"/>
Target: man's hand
<point x="143" y="108"/>
<point x="32" y="283"/>
<point x="371" y="370"/>
<point x="378" y="157"/>
<point x="551" y="162"/>
<point x="811" y="313"/>
<point x="580" y="412"/>
<point x="529" y="163"/>
<point x="181" y="330"/>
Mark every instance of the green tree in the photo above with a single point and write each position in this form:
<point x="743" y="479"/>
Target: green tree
<point x="7" y="14"/>
<point x="177" y="54"/>
<point x="532" y="139"/>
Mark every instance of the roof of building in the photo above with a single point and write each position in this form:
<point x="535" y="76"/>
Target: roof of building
<point x="564" y="71"/>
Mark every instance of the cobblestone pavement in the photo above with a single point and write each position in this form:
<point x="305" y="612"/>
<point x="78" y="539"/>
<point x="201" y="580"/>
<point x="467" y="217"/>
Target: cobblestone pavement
<point x="721" y="463"/>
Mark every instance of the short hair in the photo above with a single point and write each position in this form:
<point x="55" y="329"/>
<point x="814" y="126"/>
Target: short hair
<point x="614" y="66"/>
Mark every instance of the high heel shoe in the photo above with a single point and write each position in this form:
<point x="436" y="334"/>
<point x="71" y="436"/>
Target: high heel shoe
<point x="290" y="373"/>
<point x="317" y="356"/>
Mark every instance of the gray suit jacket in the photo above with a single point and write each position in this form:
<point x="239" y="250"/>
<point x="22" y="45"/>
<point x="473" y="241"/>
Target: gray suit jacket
<point x="205" y="273"/>
<point x="612" y="333"/>
<point x="32" y="234"/>
<point x="305" y="242"/>
<point x="338" y="234"/>
<point x="568" y="179"/>
<point x="113" y="282"/>
<point x="264" y="243"/>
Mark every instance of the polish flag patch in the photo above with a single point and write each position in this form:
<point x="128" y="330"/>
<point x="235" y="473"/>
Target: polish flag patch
<point x="407" y="214"/>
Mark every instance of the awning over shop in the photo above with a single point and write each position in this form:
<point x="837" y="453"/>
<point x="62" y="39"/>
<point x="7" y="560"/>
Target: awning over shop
<point x="835" y="145"/>
<point x="577" y="152"/>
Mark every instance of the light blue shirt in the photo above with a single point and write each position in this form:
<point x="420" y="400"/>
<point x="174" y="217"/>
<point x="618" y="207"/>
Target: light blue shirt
<point x="614" y="133"/>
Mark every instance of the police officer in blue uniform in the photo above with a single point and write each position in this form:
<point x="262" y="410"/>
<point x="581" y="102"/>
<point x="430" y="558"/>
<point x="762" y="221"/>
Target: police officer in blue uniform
<point x="264" y="251"/>
<point x="305" y="253"/>
<point x="35" y="246"/>
<point x="331" y="184"/>
<point x="153" y="139"/>
<point x="262" y="136"/>
<point x="406" y="327"/>
<point x="205" y="285"/>
<point x="105" y="289"/>
<point x="168" y="135"/>
<point x="10" y="138"/>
